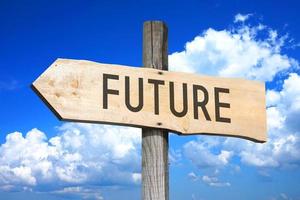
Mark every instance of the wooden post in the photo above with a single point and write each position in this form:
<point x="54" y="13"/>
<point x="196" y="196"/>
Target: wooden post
<point x="155" y="165"/>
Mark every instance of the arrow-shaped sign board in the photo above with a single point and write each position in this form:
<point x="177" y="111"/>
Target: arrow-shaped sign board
<point x="84" y="91"/>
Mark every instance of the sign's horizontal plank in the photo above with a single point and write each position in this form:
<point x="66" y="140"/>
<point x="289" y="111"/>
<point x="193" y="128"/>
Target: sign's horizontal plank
<point x="84" y="91"/>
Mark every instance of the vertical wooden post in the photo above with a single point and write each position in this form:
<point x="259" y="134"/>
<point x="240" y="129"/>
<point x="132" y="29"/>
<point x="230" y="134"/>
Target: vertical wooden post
<point x="155" y="165"/>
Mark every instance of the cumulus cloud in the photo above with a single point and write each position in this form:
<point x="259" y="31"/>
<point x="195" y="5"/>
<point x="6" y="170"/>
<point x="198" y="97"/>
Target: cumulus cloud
<point x="193" y="176"/>
<point x="283" y="148"/>
<point x="241" y="18"/>
<point x="237" y="52"/>
<point x="174" y="156"/>
<point x="209" y="180"/>
<point x="214" y="181"/>
<point x="83" y="192"/>
<point x="251" y="52"/>
<point x="202" y="154"/>
<point x="81" y="154"/>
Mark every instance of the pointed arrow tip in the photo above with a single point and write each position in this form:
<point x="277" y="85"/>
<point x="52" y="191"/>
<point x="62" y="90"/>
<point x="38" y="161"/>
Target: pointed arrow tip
<point x="35" y="89"/>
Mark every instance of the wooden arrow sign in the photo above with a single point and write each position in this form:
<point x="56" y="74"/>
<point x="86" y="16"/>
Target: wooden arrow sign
<point x="84" y="91"/>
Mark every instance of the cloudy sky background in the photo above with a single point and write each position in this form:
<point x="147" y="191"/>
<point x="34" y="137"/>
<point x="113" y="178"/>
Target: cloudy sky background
<point x="42" y="158"/>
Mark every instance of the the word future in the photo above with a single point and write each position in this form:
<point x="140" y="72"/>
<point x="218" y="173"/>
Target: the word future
<point x="196" y="89"/>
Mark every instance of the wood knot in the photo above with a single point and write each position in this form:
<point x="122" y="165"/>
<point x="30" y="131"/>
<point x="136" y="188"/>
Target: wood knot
<point x="51" y="82"/>
<point x="75" y="83"/>
<point x="159" y="123"/>
<point x="160" y="73"/>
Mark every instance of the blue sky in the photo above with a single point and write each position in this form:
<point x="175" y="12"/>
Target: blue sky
<point x="43" y="158"/>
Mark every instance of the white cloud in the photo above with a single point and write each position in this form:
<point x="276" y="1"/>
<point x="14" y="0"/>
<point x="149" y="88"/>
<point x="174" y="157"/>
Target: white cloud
<point x="283" y="146"/>
<point x="283" y="123"/>
<point x="201" y="154"/>
<point x="251" y="52"/>
<point x="238" y="52"/>
<point x="209" y="180"/>
<point x="241" y="18"/>
<point x="273" y="97"/>
<point x="137" y="177"/>
<point x="193" y="176"/>
<point x="214" y="181"/>
<point x="275" y="118"/>
<point x="285" y="104"/>
<point x="83" y="192"/>
<point x="81" y="154"/>
<point x="174" y="156"/>
<point x="263" y="160"/>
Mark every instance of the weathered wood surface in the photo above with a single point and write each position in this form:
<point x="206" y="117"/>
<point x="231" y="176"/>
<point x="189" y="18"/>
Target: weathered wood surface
<point x="73" y="89"/>
<point x="155" y="142"/>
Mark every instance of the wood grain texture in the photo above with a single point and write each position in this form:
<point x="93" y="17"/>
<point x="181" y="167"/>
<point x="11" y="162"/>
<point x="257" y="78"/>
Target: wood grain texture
<point x="73" y="89"/>
<point x="155" y="142"/>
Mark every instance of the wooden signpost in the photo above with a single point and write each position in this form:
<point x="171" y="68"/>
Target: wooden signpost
<point x="86" y="91"/>
<point x="156" y="100"/>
